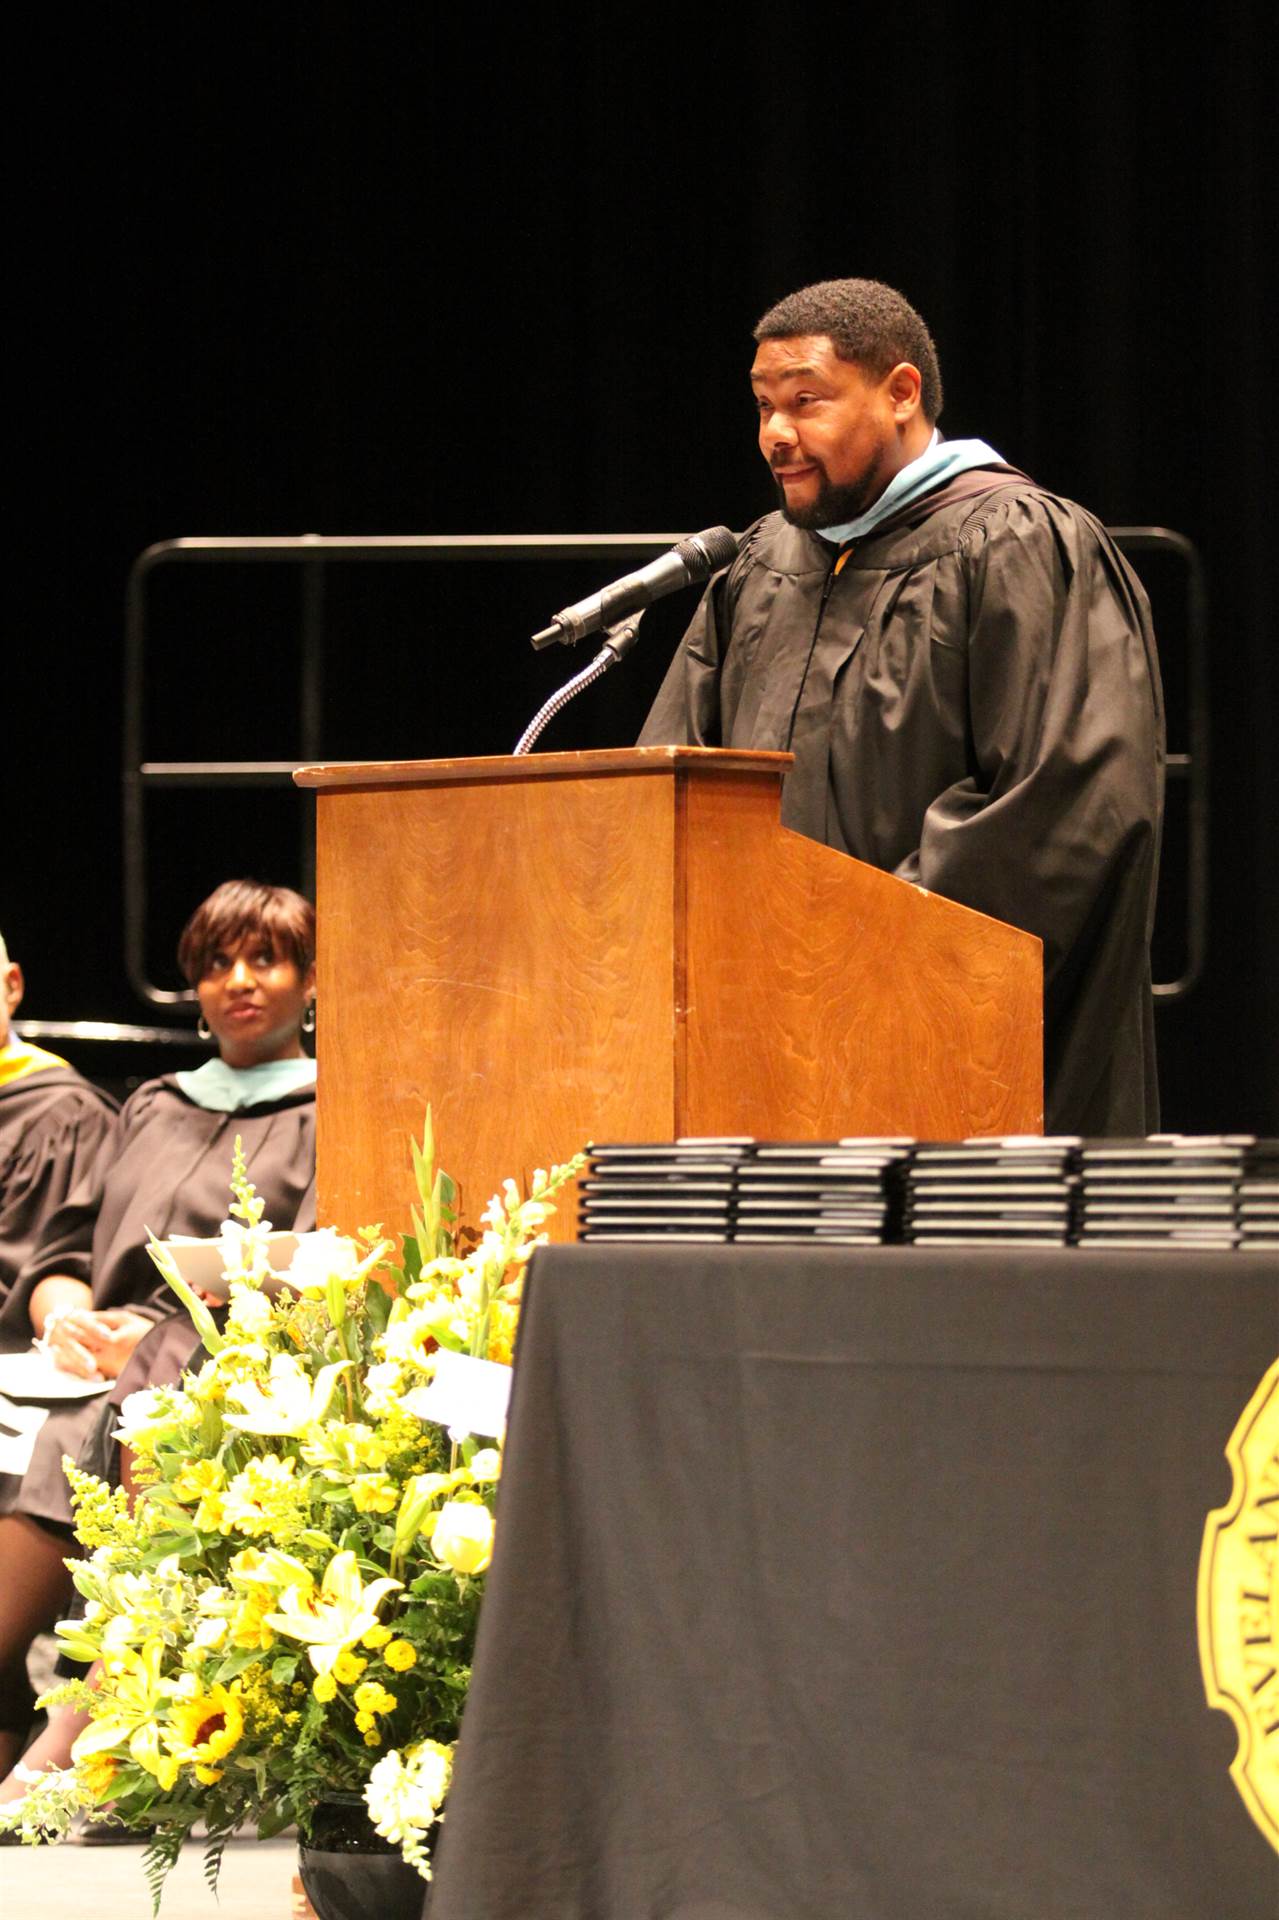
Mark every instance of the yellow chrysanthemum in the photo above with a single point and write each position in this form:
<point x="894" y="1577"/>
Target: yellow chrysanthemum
<point x="400" y="1656"/>
<point x="372" y="1697"/>
<point x="365" y="1722"/>
<point x="324" y="1687"/>
<point x="348" y="1667"/>
<point x="376" y="1636"/>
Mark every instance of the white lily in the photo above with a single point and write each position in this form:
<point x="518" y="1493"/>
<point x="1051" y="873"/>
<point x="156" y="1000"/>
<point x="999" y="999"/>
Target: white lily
<point x="335" y="1615"/>
<point x="291" y="1402"/>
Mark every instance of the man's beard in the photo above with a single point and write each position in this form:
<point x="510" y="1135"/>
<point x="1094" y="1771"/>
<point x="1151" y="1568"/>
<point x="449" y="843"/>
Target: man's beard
<point x="833" y="505"/>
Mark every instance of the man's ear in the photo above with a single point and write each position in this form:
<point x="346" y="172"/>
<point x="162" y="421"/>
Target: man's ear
<point x="14" y="986"/>
<point x="904" y="386"/>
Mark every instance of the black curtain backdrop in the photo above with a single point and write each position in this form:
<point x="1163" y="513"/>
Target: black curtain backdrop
<point x="326" y="268"/>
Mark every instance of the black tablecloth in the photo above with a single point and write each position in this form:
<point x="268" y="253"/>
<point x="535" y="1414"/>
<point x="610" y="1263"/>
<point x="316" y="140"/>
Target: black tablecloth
<point x="840" y="1586"/>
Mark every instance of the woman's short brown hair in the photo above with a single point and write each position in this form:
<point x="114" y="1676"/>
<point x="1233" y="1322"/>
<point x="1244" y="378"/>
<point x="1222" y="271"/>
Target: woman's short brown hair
<point x="241" y="907"/>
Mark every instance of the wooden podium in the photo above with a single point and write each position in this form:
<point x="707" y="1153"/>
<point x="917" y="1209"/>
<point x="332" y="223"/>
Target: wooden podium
<point x="627" y="945"/>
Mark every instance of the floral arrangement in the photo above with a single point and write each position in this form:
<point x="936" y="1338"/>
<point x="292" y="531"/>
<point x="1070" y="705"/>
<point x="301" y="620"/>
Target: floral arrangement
<point x="290" y="1606"/>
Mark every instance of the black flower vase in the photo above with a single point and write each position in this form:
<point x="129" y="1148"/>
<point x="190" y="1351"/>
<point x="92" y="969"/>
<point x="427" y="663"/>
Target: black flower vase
<point x="350" y="1872"/>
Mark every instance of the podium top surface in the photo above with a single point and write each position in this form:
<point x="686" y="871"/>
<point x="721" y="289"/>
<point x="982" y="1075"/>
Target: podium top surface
<point x="541" y="766"/>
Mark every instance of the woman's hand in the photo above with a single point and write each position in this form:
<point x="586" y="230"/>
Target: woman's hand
<point x="95" y="1345"/>
<point x="57" y="1293"/>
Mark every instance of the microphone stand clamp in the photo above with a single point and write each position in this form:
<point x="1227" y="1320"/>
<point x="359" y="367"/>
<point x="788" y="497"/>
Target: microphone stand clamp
<point x="618" y="642"/>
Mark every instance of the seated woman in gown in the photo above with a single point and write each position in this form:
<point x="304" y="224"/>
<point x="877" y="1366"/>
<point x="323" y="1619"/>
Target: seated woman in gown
<point x="90" y="1289"/>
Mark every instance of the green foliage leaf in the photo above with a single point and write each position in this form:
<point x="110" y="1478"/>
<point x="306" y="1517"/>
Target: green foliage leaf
<point x="213" y="1860"/>
<point x="210" y="1432"/>
<point x="237" y="1662"/>
<point x="412" y="1269"/>
<point x="205" y="1325"/>
<point x="274" y="1819"/>
<point x="184" y="1541"/>
<point x="377" y="1311"/>
<point x="159" y="1859"/>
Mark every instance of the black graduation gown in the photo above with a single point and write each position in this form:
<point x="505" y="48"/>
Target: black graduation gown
<point x="974" y="704"/>
<point x="167" y="1167"/>
<point x="52" y="1122"/>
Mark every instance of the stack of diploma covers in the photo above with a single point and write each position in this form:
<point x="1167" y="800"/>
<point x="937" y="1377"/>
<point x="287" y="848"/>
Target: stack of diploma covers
<point x="840" y="1192"/>
<point x="1179" y="1190"/>
<point x="1012" y="1192"/>
<point x="843" y="1194"/>
<point x="1171" y="1190"/>
<point x="1257" y="1196"/>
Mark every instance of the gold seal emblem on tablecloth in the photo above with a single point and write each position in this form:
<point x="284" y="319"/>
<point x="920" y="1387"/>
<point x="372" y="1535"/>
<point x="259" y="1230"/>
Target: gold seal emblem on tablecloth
<point x="1239" y="1605"/>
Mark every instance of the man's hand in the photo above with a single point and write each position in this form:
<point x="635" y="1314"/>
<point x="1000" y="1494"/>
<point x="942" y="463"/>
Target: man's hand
<point x="96" y="1345"/>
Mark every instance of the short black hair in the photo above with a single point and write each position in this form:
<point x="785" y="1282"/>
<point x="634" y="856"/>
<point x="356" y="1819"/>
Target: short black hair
<point x="868" y="323"/>
<point x="240" y="907"/>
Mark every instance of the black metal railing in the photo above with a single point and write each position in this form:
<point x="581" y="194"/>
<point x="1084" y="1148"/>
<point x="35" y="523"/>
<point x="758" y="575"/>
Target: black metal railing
<point x="314" y="552"/>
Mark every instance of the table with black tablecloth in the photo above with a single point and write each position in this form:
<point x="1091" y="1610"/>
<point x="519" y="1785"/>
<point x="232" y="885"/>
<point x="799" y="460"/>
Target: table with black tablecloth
<point x="834" y="1585"/>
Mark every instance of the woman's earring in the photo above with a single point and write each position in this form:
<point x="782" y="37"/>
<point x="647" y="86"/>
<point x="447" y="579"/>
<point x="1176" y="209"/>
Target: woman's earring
<point x="308" y="1017"/>
<point x="203" y="1030"/>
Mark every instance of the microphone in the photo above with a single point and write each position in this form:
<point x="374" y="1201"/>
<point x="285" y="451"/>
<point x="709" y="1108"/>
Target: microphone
<point x="693" y="560"/>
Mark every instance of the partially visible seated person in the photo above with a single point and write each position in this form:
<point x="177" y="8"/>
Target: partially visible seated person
<point x="90" y="1289"/>
<point x="52" y="1122"/>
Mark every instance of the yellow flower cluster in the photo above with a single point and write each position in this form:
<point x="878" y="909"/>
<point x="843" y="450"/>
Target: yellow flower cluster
<point x="102" y="1515"/>
<point x="265" y="1498"/>
<point x="370" y="1701"/>
<point x="302" y="1577"/>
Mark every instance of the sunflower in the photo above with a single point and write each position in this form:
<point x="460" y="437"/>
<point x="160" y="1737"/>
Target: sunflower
<point x="204" y="1727"/>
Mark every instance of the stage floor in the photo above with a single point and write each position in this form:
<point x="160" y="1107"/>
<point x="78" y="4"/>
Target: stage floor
<point x="70" y="1882"/>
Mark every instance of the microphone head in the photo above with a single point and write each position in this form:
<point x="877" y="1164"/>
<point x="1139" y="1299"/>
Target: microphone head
<point x="704" y="553"/>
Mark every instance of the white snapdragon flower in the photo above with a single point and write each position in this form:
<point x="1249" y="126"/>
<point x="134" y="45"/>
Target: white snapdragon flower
<point x="405" y="1790"/>
<point x="250" y="1313"/>
<point x="382" y="1388"/>
<point x="320" y="1257"/>
<point x="244" y="1249"/>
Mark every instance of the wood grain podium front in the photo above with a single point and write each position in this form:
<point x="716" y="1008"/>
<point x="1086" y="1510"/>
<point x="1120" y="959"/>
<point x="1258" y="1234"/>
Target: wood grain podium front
<point x="628" y="945"/>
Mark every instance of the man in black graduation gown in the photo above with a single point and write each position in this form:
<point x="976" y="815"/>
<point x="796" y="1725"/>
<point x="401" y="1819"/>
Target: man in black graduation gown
<point x="52" y="1123"/>
<point x="964" y="667"/>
